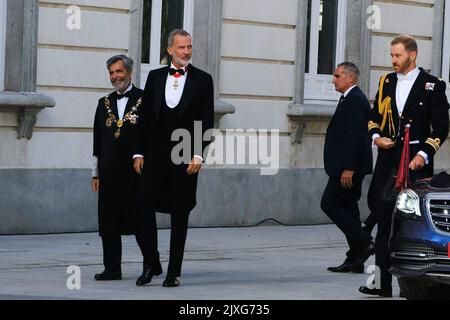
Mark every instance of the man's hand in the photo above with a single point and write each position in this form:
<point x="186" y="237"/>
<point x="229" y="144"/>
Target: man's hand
<point x="384" y="143"/>
<point x="194" y="166"/>
<point x="138" y="165"/>
<point x="95" y="184"/>
<point x="417" y="163"/>
<point x="347" y="179"/>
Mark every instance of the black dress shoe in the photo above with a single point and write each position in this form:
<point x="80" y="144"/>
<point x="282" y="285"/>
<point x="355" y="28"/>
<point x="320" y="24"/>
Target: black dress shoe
<point x="147" y="275"/>
<point x="105" y="276"/>
<point x="366" y="252"/>
<point x="387" y="293"/>
<point x="171" y="282"/>
<point x="357" y="268"/>
<point x="348" y="267"/>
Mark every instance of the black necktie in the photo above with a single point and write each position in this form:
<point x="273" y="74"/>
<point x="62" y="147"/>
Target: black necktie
<point x="342" y="98"/>
<point x="126" y="94"/>
<point x="173" y="71"/>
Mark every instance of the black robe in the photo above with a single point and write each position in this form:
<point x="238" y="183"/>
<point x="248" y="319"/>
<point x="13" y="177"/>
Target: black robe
<point x="118" y="180"/>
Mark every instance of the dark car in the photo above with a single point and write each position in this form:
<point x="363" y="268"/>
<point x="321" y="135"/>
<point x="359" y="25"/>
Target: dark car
<point x="420" y="239"/>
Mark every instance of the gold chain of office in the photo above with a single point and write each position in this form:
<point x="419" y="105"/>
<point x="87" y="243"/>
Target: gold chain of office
<point x="111" y="119"/>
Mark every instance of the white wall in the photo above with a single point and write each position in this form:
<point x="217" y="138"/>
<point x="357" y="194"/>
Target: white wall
<point x="257" y="72"/>
<point x="446" y="53"/>
<point x="258" y="53"/>
<point x="2" y="42"/>
<point x="416" y="19"/>
<point x="71" y="68"/>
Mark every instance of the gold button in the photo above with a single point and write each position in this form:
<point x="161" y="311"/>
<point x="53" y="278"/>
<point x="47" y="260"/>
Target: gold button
<point x="410" y="121"/>
<point x="402" y="139"/>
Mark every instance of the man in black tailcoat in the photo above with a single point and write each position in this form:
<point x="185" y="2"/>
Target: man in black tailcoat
<point x="177" y="99"/>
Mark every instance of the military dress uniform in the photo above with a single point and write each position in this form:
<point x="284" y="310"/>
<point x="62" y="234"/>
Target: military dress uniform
<point x="426" y="112"/>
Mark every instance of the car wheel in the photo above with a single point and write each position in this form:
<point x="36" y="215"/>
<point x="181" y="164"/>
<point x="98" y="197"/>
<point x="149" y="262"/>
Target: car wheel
<point x="419" y="289"/>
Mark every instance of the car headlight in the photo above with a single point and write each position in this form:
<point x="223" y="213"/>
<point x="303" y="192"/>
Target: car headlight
<point x="408" y="202"/>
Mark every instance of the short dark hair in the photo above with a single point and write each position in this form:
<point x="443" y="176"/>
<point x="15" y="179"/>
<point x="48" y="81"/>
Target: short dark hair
<point x="350" y="67"/>
<point x="127" y="61"/>
<point x="176" y="32"/>
<point x="408" y="41"/>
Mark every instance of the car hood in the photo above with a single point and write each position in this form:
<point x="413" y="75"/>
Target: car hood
<point x="438" y="184"/>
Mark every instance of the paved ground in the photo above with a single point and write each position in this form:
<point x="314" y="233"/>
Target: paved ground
<point x="260" y="263"/>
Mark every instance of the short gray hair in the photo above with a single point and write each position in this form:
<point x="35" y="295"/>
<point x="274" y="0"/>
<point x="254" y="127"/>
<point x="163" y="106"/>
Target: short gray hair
<point x="127" y="62"/>
<point x="176" y="32"/>
<point x="351" y="68"/>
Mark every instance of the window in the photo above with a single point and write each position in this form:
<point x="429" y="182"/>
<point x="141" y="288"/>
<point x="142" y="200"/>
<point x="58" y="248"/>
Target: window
<point x="161" y="17"/>
<point x="2" y="43"/>
<point x="325" y="47"/>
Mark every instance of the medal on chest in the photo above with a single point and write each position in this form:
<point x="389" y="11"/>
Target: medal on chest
<point x="176" y="82"/>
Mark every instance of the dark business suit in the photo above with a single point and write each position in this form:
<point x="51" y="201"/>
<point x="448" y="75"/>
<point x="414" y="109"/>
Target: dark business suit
<point x="118" y="180"/>
<point x="347" y="147"/>
<point x="166" y="186"/>
<point x="425" y="107"/>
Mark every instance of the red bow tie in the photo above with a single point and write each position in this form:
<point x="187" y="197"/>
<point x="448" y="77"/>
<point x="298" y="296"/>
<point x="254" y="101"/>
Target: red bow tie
<point x="176" y="72"/>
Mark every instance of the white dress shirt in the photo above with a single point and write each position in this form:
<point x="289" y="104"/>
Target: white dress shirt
<point x="122" y="103"/>
<point x="348" y="91"/>
<point x="404" y="86"/>
<point x="174" y="93"/>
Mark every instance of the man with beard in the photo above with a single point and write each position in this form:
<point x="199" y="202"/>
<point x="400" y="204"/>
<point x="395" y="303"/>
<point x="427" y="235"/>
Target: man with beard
<point x="177" y="97"/>
<point x="113" y="175"/>
<point x="407" y="97"/>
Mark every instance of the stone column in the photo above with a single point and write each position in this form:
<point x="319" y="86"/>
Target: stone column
<point x="20" y="69"/>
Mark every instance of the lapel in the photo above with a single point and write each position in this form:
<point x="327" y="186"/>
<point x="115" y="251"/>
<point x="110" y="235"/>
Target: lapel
<point x="189" y="90"/>
<point x="417" y="88"/>
<point x="159" y="91"/>
<point x="392" y="92"/>
<point x="338" y="110"/>
<point x="113" y="102"/>
<point x="131" y="100"/>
